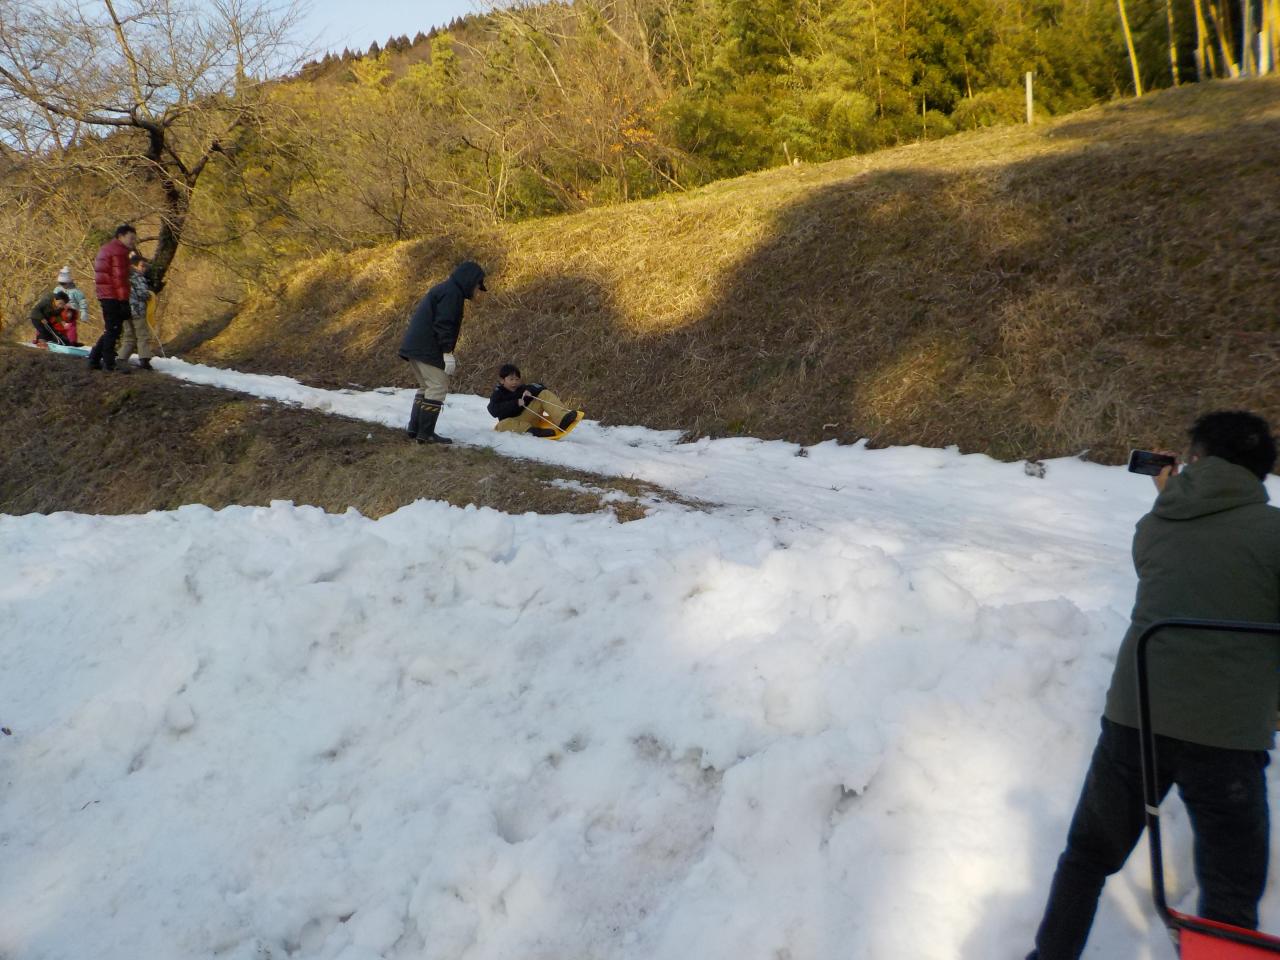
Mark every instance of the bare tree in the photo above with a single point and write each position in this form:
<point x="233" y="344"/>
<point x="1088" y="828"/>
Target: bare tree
<point x="1248" y="63"/>
<point x="1173" y="41"/>
<point x="575" y="92"/>
<point x="1222" y="27"/>
<point x="1133" y="54"/>
<point x="144" y="93"/>
<point x="1271" y="34"/>
<point x="1206" y="64"/>
<point x="1266" y="37"/>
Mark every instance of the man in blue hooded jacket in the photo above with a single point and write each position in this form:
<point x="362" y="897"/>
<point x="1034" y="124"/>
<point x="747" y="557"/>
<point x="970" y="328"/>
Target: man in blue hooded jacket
<point x="429" y="342"/>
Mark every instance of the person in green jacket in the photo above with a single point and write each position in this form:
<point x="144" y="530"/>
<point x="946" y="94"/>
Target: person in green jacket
<point x="45" y="314"/>
<point x="1209" y="549"/>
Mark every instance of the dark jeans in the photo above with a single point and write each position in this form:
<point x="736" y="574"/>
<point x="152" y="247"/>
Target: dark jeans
<point x="114" y="314"/>
<point x="1225" y="792"/>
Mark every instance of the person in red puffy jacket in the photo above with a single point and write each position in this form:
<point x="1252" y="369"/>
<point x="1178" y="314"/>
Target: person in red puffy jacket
<point x="111" y="284"/>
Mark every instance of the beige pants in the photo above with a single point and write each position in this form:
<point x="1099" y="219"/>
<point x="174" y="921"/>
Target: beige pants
<point x="433" y="382"/>
<point x="552" y="410"/>
<point x="429" y="400"/>
<point x="136" y="337"/>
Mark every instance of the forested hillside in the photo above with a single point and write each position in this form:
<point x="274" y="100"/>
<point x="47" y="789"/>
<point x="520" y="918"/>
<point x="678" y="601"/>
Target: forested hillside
<point x="183" y="122"/>
<point x="962" y="277"/>
<point x="544" y="108"/>
<point x="1089" y="283"/>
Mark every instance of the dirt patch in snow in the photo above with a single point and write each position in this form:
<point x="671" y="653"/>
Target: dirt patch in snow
<point x="72" y="439"/>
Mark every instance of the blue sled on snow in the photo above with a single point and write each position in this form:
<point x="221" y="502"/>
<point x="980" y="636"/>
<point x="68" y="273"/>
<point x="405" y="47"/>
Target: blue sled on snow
<point x="63" y="348"/>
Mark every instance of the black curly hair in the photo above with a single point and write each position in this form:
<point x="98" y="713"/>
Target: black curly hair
<point x="1238" y="437"/>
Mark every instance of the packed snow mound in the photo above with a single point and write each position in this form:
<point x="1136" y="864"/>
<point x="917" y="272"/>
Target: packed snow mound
<point x="850" y="726"/>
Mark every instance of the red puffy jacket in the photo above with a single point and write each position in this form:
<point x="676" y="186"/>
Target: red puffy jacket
<point x="111" y="271"/>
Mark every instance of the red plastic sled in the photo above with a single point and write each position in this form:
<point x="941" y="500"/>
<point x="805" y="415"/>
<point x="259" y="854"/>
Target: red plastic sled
<point x="1217" y="940"/>
<point x="1196" y="938"/>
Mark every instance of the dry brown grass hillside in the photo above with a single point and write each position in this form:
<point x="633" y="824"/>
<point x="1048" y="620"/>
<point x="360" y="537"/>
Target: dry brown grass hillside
<point x="1089" y="283"/>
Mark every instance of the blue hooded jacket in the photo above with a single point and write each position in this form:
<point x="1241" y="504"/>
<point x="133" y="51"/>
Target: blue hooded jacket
<point x="437" y="319"/>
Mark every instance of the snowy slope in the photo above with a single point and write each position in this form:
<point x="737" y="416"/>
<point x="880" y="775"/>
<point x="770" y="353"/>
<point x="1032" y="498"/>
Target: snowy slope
<point x="843" y="713"/>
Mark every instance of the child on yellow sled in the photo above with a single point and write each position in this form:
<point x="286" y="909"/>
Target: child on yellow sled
<point x="529" y="407"/>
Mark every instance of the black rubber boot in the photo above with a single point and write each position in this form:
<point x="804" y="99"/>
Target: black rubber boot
<point x="567" y="420"/>
<point x="414" y="415"/>
<point x="427" y="417"/>
<point x="543" y="432"/>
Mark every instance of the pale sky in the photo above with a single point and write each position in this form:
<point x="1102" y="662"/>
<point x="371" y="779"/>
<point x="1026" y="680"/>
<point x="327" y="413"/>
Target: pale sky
<point x="334" y="24"/>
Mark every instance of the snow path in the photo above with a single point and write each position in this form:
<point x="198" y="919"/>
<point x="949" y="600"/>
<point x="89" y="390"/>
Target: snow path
<point x="841" y="713"/>
<point x="888" y="490"/>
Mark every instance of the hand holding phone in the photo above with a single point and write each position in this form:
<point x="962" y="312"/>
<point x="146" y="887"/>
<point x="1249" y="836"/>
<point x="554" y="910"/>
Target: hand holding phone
<point x="1160" y="466"/>
<point x="1149" y="463"/>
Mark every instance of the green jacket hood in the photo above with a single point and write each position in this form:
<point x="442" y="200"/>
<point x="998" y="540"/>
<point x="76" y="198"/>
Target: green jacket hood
<point x="1210" y="485"/>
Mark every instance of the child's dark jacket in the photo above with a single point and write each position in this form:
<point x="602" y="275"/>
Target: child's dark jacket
<point x="505" y="404"/>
